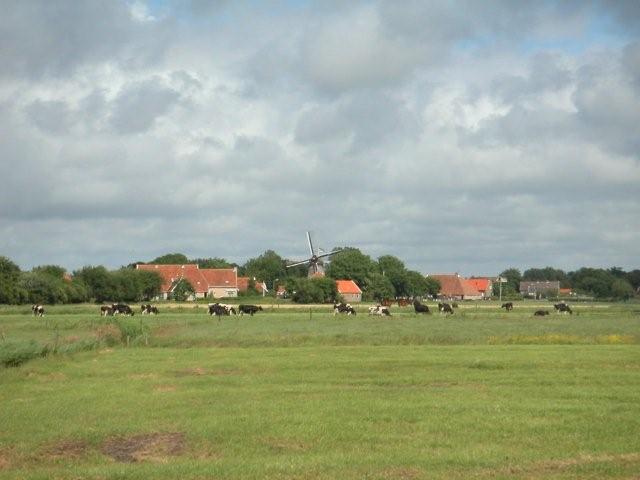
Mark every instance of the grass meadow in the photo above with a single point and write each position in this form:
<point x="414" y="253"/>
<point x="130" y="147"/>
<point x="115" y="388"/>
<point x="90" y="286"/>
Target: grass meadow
<point x="296" y="393"/>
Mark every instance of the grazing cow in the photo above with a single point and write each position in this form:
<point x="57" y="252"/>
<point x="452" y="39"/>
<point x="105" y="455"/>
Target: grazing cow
<point x="540" y="313"/>
<point x="507" y="306"/>
<point x="445" y="308"/>
<point x="229" y="308"/>
<point x="563" y="308"/>
<point x="148" y="309"/>
<point x="106" y="310"/>
<point x="420" y="308"/>
<point x="250" y="309"/>
<point x="217" y="310"/>
<point x="343" y="308"/>
<point x="122" y="309"/>
<point x="379" y="310"/>
<point x="38" y="310"/>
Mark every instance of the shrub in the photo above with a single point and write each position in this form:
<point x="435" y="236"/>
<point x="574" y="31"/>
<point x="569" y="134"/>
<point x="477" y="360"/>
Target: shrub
<point x="15" y="354"/>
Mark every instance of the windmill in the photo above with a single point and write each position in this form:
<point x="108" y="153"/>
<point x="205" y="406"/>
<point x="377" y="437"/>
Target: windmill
<point x="315" y="267"/>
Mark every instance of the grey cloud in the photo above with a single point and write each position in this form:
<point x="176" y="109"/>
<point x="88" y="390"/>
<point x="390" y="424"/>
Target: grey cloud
<point x="138" y="105"/>
<point x="39" y="38"/>
<point x="53" y="117"/>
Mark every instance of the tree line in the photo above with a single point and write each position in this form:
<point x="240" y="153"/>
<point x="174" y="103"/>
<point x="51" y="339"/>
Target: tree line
<point x="612" y="283"/>
<point x="384" y="277"/>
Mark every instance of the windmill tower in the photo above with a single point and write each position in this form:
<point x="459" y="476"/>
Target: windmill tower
<point x="316" y="268"/>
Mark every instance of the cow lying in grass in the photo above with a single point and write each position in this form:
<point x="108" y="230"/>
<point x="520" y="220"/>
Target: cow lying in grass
<point x="420" y="308"/>
<point x="540" y="313"/>
<point x="343" y="308"/>
<point x="445" y="308"/>
<point x="379" y="310"/>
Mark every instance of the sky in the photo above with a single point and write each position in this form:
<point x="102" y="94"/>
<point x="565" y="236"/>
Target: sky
<point x="458" y="136"/>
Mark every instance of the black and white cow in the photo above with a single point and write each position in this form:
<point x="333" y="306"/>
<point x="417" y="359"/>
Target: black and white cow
<point x="217" y="310"/>
<point x="148" y="309"/>
<point x="445" y="308"/>
<point x="250" y="309"/>
<point x="38" y="310"/>
<point x="420" y="308"/>
<point x="343" y="308"/>
<point x="122" y="309"/>
<point x="563" y="308"/>
<point x="106" y="310"/>
<point x="229" y="308"/>
<point x="380" y="310"/>
<point x="540" y="313"/>
<point x="507" y="306"/>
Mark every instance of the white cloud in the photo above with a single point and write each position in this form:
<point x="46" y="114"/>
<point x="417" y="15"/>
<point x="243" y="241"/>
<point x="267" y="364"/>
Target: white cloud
<point x="449" y="136"/>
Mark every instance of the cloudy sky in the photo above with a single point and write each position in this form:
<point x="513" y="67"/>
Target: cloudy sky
<point x="459" y="136"/>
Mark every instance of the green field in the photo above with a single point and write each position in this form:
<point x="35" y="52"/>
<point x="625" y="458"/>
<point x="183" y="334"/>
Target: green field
<point x="294" y="394"/>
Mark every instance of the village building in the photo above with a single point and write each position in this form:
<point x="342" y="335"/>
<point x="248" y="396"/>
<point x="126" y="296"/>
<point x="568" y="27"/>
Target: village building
<point x="539" y="289"/>
<point x="349" y="291"/>
<point x="484" y="285"/>
<point x="259" y="286"/>
<point x="455" y="287"/>
<point x="206" y="282"/>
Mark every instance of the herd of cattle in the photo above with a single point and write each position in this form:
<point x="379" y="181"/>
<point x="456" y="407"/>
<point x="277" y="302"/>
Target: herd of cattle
<point x="223" y="309"/>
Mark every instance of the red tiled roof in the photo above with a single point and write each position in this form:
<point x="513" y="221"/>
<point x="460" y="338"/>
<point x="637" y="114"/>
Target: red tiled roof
<point x="480" y="284"/>
<point x="172" y="273"/>
<point x="219" y="277"/>
<point x="243" y="284"/>
<point x="453" y="286"/>
<point x="347" y="286"/>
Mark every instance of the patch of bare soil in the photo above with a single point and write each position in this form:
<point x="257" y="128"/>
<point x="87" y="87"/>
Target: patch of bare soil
<point x="188" y="372"/>
<point x="4" y="460"/>
<point x="546" y="467"/>
<point x="66" y="449"/>
<point x="152" y="447"/>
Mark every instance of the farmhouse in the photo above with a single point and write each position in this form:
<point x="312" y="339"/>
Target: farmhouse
<point x="484" y="285"/>
<point x="207" y="282"/>
<point x="539" y="289"/>
<point x="260" y="287"/>
<point x="455" y="287"/>
<point x="349" y="291"/>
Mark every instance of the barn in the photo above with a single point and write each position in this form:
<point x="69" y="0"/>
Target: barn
<point x="455" y="287"/>
<point x="207" y="282"/>
<point x="349" y="291"/>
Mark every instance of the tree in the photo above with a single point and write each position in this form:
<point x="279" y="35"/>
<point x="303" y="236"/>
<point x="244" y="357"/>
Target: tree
<point x="378" y="287"/>
<point x="314" y="290"/>
<point x="101" y="286"/>
<point x="547" y="273"/>
<point x="513" y="277"/>
<point x="10" y="291"/>
<point x="52" y="270"/>
<point x="417" y="284"/>
<point x="621" y="289"/>
<point x="267" y="267"/>
<point x="351" y="264"/>
<point x="433" y="286"/>
<point x="182" y="290"/>
<point x="171" y="259"/>
<point x="393" y="268"/>
<point x="212" y="263"/>
<point x="633" y="277"/>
